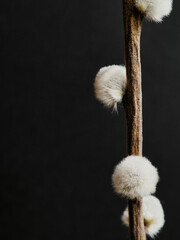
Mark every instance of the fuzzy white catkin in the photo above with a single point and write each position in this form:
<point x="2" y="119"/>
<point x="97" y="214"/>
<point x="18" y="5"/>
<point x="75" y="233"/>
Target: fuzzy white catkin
<point x="110" y="85"/>
<point x="153" y="215"/>
<point x="135" y="177"/>
<point x="154" y="10"/>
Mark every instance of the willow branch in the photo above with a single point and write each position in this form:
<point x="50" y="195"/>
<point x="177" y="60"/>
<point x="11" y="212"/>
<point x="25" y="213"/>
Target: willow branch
<point x="133" y="105"/>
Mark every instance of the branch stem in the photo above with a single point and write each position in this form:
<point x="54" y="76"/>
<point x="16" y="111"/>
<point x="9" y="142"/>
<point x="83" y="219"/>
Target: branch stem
<point x="133" y="105"/>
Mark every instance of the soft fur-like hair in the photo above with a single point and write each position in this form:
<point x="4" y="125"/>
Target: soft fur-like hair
<point x="135" y="177"/>
<point x="154" y="10"/>
<point x="110" y="85"/>
<point x="153" y="215"/>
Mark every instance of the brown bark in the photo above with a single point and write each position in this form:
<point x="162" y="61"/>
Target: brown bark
<point x="133" y="105"/>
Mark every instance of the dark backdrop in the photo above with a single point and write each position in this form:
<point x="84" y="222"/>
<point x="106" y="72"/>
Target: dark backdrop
<point x="59" y="144"/>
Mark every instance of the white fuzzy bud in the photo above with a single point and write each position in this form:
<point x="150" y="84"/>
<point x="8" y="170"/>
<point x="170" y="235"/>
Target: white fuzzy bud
<point x="153" y="215"/>
<point x="135" y="177"/>
<point x="154" y="10"/>
<point x="110" y="85"/>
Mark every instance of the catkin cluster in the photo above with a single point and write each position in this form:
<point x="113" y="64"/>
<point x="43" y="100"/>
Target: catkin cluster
<point x="134" y="177"/>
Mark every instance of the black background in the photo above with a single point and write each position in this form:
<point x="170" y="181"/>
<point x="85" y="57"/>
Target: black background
<point x="59" y="143"/>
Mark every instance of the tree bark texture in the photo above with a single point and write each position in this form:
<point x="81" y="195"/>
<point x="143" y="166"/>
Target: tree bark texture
<point x="133" y="105"/>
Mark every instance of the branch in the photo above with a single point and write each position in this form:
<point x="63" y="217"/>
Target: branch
<point x="133" y="105"/>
